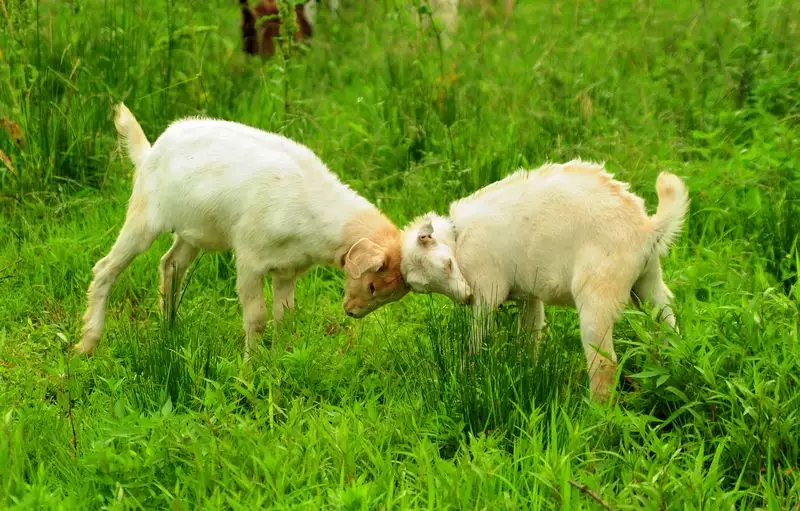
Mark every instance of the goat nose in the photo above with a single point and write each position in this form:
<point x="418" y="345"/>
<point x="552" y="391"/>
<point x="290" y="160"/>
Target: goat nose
<point x="351" y="314"/>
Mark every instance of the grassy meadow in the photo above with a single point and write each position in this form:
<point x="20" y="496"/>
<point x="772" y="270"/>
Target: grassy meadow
<point x="337" y="413"/>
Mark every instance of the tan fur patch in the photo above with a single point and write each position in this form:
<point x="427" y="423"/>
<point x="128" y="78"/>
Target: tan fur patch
<point x="606" y="179"/>
<point x="619" y="188"/>
<point x="14" y="131"/>
<point x="370" y="224"/>
<point x="388" y="281"/>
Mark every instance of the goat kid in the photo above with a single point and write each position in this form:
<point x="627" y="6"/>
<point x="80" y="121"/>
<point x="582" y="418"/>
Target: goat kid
<point x="221" y="185"/>
<point x="564" y="234"/>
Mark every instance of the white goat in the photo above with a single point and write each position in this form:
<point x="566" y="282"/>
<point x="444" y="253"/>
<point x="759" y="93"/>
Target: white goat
<point x="563" y="234"/>
<point x="222" y="185"/>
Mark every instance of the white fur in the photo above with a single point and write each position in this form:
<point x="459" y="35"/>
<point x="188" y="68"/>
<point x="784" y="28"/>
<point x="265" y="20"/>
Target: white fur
<point x="311" y="7"/>
<point x="222" y="185"/>
<point x="445" y="17"/>
<point x="562" y="234"/>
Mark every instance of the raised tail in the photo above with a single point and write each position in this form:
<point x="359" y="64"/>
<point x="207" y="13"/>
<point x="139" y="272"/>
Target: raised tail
<point x="135" y="141"/>
<point x="673" y="204"/>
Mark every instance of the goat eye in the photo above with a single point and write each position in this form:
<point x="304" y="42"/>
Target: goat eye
<point x="449" y="265"/>
<point x="372" y="288"/>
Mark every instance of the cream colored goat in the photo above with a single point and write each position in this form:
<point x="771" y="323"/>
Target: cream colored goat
<point x="222" y="185"/>
<point x="562" y="234"/>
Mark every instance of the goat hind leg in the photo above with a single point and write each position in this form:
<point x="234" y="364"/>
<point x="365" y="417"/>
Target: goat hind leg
<point x="597" y="316"/>
<point x="134" y="238"/>
<point x="651" y="286"/>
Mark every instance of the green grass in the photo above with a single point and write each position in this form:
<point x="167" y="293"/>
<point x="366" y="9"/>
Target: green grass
<point x="379" y="413"/>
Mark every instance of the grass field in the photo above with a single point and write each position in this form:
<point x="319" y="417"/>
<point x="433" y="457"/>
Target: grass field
<point x="377" y="413"/>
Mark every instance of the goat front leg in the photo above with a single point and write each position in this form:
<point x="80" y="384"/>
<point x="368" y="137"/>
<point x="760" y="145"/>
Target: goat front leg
<point x="531" y="316"/>
<point x="250" y="287"/>
<point x="484" y="304"/>
<point x="481" y="325"/>
<point x="283" y="285"/>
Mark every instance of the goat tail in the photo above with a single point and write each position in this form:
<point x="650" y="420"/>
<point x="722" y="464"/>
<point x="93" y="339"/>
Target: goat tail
<point x="131" y="133"/>
<point x="673" y="204"/>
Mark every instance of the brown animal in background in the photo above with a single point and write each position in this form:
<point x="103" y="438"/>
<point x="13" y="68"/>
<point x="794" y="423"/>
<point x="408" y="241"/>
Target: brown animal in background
<point x="259" y="38"/>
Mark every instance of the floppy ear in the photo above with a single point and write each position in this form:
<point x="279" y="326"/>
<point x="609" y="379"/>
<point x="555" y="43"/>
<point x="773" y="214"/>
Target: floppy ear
<point x="364" y="256"/>
<point x="425" y="234"/>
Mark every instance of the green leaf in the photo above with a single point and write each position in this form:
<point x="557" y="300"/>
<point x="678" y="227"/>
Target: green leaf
<point x="119" y="409"/>
<point x="167" y="408"/>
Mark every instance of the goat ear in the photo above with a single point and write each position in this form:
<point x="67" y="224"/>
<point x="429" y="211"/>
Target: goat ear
<point x="425" y="234"/>
<point x="364" y="256"/>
